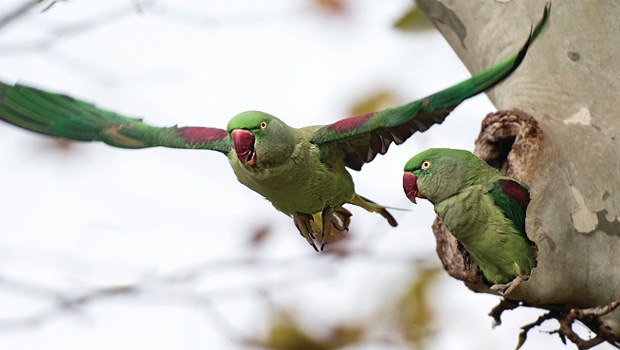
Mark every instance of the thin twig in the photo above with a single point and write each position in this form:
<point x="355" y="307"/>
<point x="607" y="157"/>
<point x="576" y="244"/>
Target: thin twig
<point x="79" y="27"/>
<point x="498" y="310"/>
<point x="526" y="328"/>
<point x="17" y="13"/>
<point x="590" y="317"/>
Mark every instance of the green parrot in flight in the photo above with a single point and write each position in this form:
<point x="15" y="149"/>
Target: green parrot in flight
<point x="482" y="208"/>
<point x="301" y="171"/>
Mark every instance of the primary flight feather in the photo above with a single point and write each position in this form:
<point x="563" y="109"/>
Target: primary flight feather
<point x="302" y="171"/>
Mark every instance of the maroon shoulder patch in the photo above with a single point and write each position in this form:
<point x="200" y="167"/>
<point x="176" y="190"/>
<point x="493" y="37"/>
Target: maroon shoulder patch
<point x="516" y="192"/>
<point x="202" y="134"/>
<point x="349" y="123"/>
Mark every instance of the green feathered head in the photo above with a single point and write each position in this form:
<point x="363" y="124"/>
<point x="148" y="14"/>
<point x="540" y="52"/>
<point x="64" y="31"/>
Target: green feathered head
<point x="260" y="139"/>
<point x="439" y="173"/>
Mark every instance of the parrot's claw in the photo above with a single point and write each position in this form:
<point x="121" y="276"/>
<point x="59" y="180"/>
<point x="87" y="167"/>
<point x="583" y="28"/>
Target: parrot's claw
<point x="338" y="220"/>
<point x="302" y="222"/>
<point x="344" y="216"/>
<point x="333" y="223"/>
<point x="507" y="288"/>
<point x="327" y="218"/>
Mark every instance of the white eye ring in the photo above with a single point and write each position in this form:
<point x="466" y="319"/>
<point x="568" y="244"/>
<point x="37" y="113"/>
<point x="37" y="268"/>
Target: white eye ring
<point x="425" y="165"/>
<point x="263" y="125"/>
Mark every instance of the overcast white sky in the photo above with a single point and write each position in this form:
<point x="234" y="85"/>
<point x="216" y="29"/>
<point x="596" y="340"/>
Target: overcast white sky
<point x="97" y="216"/>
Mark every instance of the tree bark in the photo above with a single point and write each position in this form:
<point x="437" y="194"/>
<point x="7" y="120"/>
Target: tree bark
<point x="569" y="82"/>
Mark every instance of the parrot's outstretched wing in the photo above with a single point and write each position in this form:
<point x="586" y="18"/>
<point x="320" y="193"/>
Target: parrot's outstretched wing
<point x="363" y="137"/>
<point x="68" y="118"/>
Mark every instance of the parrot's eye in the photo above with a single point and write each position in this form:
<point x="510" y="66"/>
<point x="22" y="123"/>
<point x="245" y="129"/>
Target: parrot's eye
<point x="425" y="165"/>
<point x="263" y="125"/>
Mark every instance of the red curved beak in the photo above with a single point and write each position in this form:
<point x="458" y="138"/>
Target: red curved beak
<point x="243" y="141"/>
<point x="410" y="185"/>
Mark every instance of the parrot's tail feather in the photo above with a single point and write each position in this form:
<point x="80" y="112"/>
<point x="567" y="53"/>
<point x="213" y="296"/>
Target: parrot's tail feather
<point x="373" y="208"/>
<point x="386" y="214"/>
<point x="396" y="208"/>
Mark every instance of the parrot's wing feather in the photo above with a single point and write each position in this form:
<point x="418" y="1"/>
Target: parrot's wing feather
<point x="363" y="137"/>
<point x="65" y="117"/>
<point x="511" y="198"/>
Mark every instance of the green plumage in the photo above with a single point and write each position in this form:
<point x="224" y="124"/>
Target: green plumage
<point x="68" y="118"/>
<point x="482" y="208"/>
<point x="301" y="171"/>
<point x="290" y="170"/>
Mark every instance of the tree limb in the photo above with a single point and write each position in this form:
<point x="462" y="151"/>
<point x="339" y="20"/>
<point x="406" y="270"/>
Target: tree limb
<point x="17" y="13"/>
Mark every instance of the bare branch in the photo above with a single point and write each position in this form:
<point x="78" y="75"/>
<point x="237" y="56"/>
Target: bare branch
<point x="526" y="328"/>
<point x="79" y="27"/>
<point x="17" y="13"/>
<point x="498" y="310"/>
<point x="590" y="317"/>
<point x="169" y="289"/>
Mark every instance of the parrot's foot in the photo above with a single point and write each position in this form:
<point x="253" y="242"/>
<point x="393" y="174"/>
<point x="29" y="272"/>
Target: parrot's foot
<point x="338" y="220"/>
<point x="333" y="222"/>
<point x="344" y="216"/>
<point x="507" y="288"/>
<point x="303" y="223"/>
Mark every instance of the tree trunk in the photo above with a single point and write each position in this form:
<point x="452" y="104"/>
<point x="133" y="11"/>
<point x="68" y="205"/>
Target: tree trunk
<point x="569" y="153"/>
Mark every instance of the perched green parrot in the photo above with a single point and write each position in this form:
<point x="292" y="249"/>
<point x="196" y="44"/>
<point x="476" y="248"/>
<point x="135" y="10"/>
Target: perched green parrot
<point x="301" y="171"/>
<point x="482" y="208"/>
